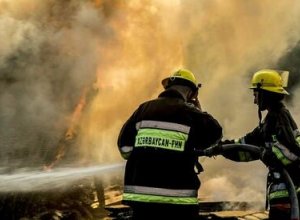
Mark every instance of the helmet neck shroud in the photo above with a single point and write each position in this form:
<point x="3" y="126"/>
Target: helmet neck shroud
<point x="266" y="100"/>
<point x="179" y="81"/>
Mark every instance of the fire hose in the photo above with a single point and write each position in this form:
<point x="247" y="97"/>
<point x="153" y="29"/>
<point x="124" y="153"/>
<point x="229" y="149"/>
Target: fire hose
<point x="258" y="151"/>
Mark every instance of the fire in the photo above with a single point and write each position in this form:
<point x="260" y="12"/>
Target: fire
<point x="71" y="131"/>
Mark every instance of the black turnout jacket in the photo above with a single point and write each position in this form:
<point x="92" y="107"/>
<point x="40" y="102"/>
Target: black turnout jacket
<point x="159" y="141"/>
<point x="278" y="134"/>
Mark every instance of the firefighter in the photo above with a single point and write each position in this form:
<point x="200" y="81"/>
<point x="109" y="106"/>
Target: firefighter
<point x="279" y="137"/>
<point x="159" y="141"/>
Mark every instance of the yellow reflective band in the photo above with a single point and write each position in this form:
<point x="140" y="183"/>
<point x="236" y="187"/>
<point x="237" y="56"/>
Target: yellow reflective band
<point x="125" y="155"/>
<point x="163" y="125"/>
<point x="171" y="140"/>
<point x="285" y="151"/>
<point x="242" y="156"/>
<point x="280" y="156"/>
<point x="298" y="139"/>
<point x="274" y="138"/>
<point x="160" y="191"/>
<point x="237" y="141"/>
<point x="160" y="199"/>
<point x="279" y="194"/>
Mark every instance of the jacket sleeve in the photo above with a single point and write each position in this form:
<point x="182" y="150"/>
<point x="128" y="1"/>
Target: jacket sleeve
<point x="127" y="135"/>
<point x="254" y="138"/>
<point x="211" y="131"/>
<point x="286" y="146"/>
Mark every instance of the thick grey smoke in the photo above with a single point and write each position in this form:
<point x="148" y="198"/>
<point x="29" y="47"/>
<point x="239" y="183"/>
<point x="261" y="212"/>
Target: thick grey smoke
<point x="51" y="50"/>
<point x="47" y="56"/>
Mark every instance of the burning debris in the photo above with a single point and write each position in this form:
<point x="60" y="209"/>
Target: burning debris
<point x="81" y="200"/>
<point x="62" y="192"/>
<point x="66" y="141"/>
<point x="207" y="211"/>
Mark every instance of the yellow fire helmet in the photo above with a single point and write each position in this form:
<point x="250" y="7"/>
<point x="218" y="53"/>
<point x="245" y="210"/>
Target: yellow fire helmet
<point x="270" y="80"/>
<point x="183" y="77"/>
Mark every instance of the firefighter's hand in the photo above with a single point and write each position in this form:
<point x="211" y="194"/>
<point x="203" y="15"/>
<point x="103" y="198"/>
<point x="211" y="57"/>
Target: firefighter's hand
<point x="217" y="149"/>
<point x="213" y="151"/>
<point x="227" y="142"/>
<point x="196" y="103"/>
<point x="270" y="159"/>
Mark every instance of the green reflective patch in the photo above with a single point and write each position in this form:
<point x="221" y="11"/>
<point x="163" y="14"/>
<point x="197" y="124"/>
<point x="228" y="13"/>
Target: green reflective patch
<point x="125" y="155"/>
<point x="237" y="141"/>
<point x="171" y="140"/>
<point x="279" y="194"/>
<point x="160" y="199"/>
<point x="298" y="139"/>
<point x="244" y="156"/>
<point x="280" y="156"/>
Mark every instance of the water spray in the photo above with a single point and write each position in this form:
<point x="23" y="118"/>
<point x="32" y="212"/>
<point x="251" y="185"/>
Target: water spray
<point x="37" y="180"/>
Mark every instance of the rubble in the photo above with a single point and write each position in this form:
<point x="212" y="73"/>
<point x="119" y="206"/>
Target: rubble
<point x="90" y="199"/>
<point x="208" y="210"/>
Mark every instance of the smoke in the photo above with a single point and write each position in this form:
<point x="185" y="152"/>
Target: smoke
<point x="51" y="51"/>
<point x="44" y="64"/>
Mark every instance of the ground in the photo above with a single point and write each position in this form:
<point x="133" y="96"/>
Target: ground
<point x="90" y="200"/>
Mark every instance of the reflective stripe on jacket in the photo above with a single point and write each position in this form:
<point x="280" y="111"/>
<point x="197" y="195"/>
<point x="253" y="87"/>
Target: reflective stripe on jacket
<point x="159" y="142"/>
<point x="283" y="154"/>
<point x="159" y="195"/>
<point x="165" y="135"/>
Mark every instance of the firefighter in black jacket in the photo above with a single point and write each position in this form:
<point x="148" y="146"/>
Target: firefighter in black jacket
<point x="159" y="141"/>
<point x="278" y="135"/>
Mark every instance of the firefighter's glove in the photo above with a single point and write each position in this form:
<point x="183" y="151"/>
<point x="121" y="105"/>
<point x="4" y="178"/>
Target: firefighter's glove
<point x="270" y="159"/>
<point x="225" y="153"/>
<point x="227" y="142"/>
<point x="196" y="103"/>
<point x="213" y="151"/>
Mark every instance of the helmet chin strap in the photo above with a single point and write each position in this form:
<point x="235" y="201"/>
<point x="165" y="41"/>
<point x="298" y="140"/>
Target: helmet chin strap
<point x="259" y="116"/>
<point x="259" y="103"/>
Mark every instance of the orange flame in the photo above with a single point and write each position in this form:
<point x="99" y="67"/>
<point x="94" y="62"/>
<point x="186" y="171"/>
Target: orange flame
<point x="71" y="132"/>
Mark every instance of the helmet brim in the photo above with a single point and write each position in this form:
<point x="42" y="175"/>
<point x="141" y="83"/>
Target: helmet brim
<point x="272" y="89"/>
<point x="167" y="82"/>
<point x="164" y="82"/>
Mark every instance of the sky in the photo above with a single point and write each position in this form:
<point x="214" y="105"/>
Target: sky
<point x="109" y="56"/>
